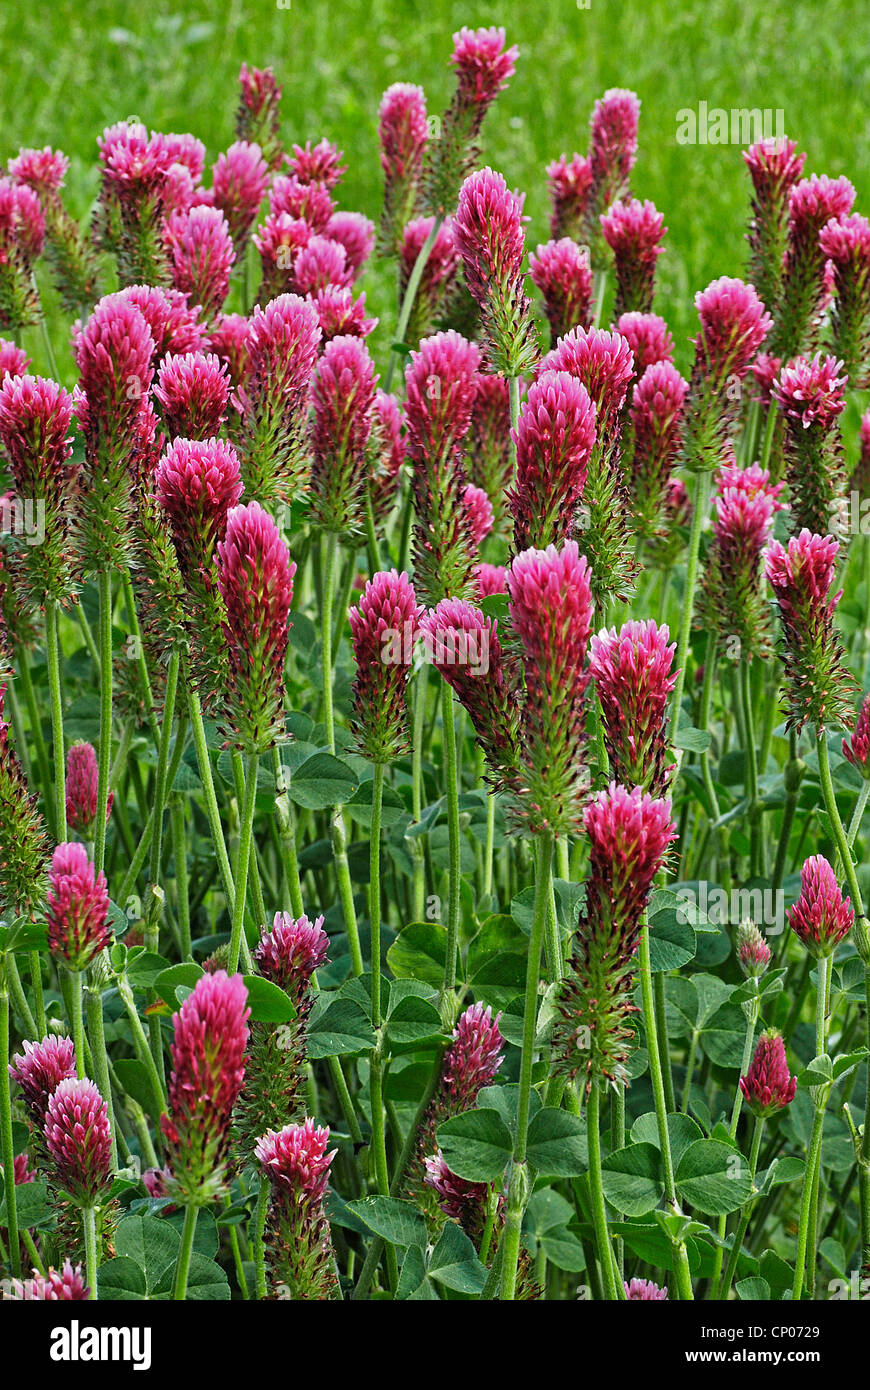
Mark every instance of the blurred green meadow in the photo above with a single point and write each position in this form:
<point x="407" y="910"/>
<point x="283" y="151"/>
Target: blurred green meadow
<point x="73" y="67"/>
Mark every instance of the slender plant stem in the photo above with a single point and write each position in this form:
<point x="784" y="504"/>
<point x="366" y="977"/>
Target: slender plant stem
<point x="38" y="996"/>
<point x="813" y="1158"/>
<point x="97" y="1034"/>
<point x="858" y="813"/>
<point x="185" y="1250"/>
<point x="36" y="736"/>
<point x="453" y="841"/>
<point x="751" y="1009"/>
<point x="745" y="1214"/>
<point x="750" y="769"/>
<point x="596" y="1192"/>
<point x="178" y="831"/>
<point x="262" y="1211"/>
<point x="211" y="806"/>
<point x="19" y="998"/>
<point x="104" y="581"/>
<point x="519" y="1183"/>
<point x="52" y="652"/>
<point x="8" y="1149"/>
<point x="329" y="548"/>
<point x="417" y="854"/>
<point x="246" y="835"/>
<point x="77" y="1022"/>
<point x="89" y="1227"/>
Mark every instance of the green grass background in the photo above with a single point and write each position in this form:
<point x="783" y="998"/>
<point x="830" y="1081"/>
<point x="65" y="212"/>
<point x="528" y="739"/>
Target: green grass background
<point x="74" y="66"/>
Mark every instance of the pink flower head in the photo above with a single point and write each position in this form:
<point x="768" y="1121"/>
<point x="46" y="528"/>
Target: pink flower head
<point x="208" y="1068"/>
<point x="279" y="241"/>
<point x="633" y="674"/>
<point x="768" y="1087"/>
<point x="340" y="315"/>
<point x="774" y="168"/>
<point x="227" y="337"/>
<point x="734" y="324"/>
<point x="321" y="262"/>
<point x="846" y="243"/>
<point x="462" y="643"/>
<point x="458" y="1199"/>
<point x="554" y="439"/>
<point x="805" y="285"/>
<point x="383" y="631"/>
<point x="480" y="513"/>
<point x="765" y="370"/>
<point x="387" y="444"/>
<point x="490" y="579"/>
<point x="656" y="418"/>
<point x="255" y="579"/>
<point x="22" y="222"/>
<point x="753" y="951"/>
<point x="438" y="276"/>
<point x="560" y="270"/>
<point x="320" y="163"/>
<point x="845" y="240"/>
<point x="193" y="390"/>
<point x="239" y="180"/>
<point x="402" y="132"/>
<point x="644" y="1291"/>
<point x="569" y="182"/>
<point x="342" y="394"/>
<point x="309" y="202"/>
<point x="13" y="359"/>
<point x="820" y="918"/>
<point x="291" y="950"/>
<point x="296" y="1161"/>
<point x="746" y="503"/>
<point x="78" y="907"/>
<point x="630" y="833"/>
<point x="649" y="338"/>
<point x="135" y="170"/>
<point x="282" y="346"/>
<point x="551" y="611"/>
<point x="488" y="234"/>
<point x="79" y="1140"/>
<point x="473" y="1058"/>
<point x="197" y="483"/>
<point x="810" y="395"/>
<point x="801" y="577"/>
<point x="39" y="1069"/>
<point x="185" y="149"/>
<point x="603" y="363"/>
<point x="633" y="231"/>
<point x="53" y="1287"/>
<point x="810" y="391"/>
<point x="857" y="748"/>
<point x="81" y="790"/>
<point x="483" y="65"/>
<point x="356" y="234"/>
<point x="814" y="201"/>
<point x="613" y="145"/>
<point x="22" y="1171"/>
<point x="174" y="326"/>
<point x="258" y="118"/>
<point x="42" y="170"/>
<point x="202" y="253"/>
<point x="441" y="383"/>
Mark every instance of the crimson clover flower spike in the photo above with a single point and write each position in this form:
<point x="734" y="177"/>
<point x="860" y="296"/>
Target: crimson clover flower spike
<point x="279" y="241"/>
<point x="72" y="257"/>
<point x="255" y="580"/>
<point x="774" y="168"/>
<point x="39" y="1070"/>
<point x="644" y="1291"/>
<point x="77" y="910"/>
<point x="630" y="833"/>
<point x="810" y="395"/>
<point x="768" y="1087"/>
<point x="602" y="362"/>
<point x="383" y="632"/>
<point x="35" y="417"/>
<point x="733" y="325"/>
<point x="441" y="385"/>
<point x="818" y="685"/>
<point x="612" y="153"/>
<point x="465" y="1202"/>
<point x="731" y="601"/>
<point x="342" y="395"/>
<point x="201" y="256"/>
<point x="356" y="234"/>
<point x="554" y="441"/>
<point x="289" y="952"/>
<point x="132" y="201"/>
<point x="483" y="66"/>
<point x="438" y="277"/>
<point x="812" y="203"/>
<point x="53" y="1286"/>
<point x="633" y="674"/>
<point x="489" y="455"/>
<point x="311" y="203"/>
<point x="653" y="442"/>
<point x="753" y="951"/>
<point x="480" y="512"/>
<point x="490" y="579"/>
<point x="649" y="338"/>
<point x="78" y="1140"/>
<point x="258" y="118"/>
<point x="272" y="399"/>
<point x="296" y="1160"/>
<point x="488" y="235"/>
<point x="320" y="163"/>
<point x="560" y="270"/>
<point x="81" y="789"/>
<point x="820" y="918"/>
<point x="198" y="482"/>
<point x="172" y="323"/>
<point x="857" y="748"/>
<point x="22" y="235"/>
<point x="114" y="353"/>
<point x="13" y="359"/>
<point x="320" y="263"/>
<point x="192" y="391"/>
<point x="633" y="231"/>
<point x="208" y="1069"/>
<point x="463" y="644"/>
<point x="569" y="184"/>
<point x="402" y="133"/>
<point x="340" y="315"/>
<point x="550" y="604"/>
<point x="846" y="243"/>
<point x="239" y="180"/>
